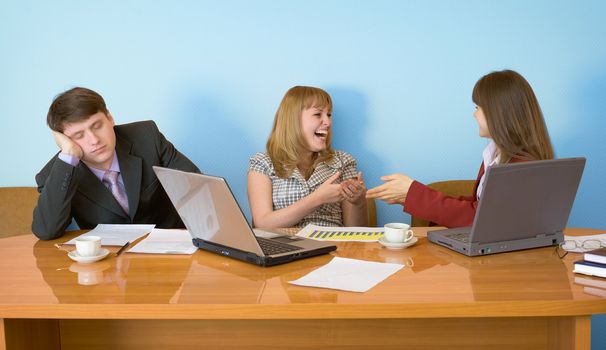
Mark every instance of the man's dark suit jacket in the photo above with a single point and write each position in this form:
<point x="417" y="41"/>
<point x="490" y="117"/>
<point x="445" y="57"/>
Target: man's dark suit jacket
<point x="67" y="191"/>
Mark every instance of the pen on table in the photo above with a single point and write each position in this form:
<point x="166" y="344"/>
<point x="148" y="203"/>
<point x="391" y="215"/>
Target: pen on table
<point x="122" y="249"/>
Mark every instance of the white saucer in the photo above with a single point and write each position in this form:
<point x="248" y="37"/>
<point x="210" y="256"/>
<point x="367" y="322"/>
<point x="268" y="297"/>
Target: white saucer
<point x="392" y="245"/>
<point x="88" y="259"/>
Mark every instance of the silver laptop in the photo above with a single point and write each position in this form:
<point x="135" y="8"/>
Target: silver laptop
<point x="213" y="217"/>
<point x="523" y="205"/>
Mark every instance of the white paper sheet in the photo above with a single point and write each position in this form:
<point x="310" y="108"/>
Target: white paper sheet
<point x="341" y="234"/>
<point x="348" y="274"/>
<point x="116" y="235"/>
<point x="162" y="241"/>
<point x="581" y="239"/>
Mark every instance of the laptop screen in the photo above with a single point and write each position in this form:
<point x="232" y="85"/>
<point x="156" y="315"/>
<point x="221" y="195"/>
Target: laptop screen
<point x="522" y="200"/>
<point x="208" y="209"/>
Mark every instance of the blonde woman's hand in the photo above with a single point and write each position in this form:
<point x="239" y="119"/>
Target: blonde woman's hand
<point x="394" y="189"/>
<point x="354" y="190"/>
<point x="329" y="192"/>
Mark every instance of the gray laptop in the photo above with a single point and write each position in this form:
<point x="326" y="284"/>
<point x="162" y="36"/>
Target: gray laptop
<point x="213" y="217"/>
<point x="523" y="205"/>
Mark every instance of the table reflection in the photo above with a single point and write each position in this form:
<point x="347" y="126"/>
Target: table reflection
<point x="534" y="274"/>
<point x="89" y="274"/>
<point x="216" y="279"/>
<point x="128" y="278"/>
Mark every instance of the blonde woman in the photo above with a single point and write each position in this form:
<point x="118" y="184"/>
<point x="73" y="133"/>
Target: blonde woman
<point x="301" y="180"/>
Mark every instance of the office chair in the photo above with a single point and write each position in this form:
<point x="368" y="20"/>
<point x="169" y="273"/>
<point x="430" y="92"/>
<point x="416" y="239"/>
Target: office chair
<point x="16" y="209"/>
<point x="453" y="188"/>
<point x="371" y="207"/>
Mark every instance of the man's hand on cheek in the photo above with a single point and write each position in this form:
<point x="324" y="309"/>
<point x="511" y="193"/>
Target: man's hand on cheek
<point x="67" y="145"/>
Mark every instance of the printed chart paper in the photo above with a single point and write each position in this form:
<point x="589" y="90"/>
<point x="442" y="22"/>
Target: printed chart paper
<point x="341" y="234"/>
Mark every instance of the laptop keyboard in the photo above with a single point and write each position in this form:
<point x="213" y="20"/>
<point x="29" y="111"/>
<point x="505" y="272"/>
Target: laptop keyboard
<point x="461" y="237"/>
<point x="270" y="247"/>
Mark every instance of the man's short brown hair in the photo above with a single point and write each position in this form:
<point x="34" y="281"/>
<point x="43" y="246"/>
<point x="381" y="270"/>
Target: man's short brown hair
<point x="72" y="106"/>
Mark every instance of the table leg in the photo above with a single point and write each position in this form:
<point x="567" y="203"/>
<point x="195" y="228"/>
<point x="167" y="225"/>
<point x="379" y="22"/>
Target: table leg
<point x="570" y="333"/>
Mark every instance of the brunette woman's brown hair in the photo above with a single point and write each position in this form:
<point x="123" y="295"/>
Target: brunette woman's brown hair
<point x="513" y="116"/>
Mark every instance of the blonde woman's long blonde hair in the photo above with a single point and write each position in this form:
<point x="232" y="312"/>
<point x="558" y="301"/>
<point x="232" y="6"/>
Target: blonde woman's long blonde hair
<point x="286" y="140"/>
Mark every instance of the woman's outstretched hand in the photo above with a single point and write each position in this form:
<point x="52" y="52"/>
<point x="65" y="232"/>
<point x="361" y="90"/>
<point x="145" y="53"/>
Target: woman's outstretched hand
<point x="394" y="189"/>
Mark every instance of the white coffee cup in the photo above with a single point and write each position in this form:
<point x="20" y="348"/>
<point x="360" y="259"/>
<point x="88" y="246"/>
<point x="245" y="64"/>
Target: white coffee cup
<point x="88" y="245"/>
<point x="398" y="233"/>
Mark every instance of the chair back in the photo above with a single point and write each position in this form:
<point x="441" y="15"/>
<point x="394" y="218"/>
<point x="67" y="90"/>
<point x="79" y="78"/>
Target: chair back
<point x="371" y="207"/>
<point x="16" y="210"/>
<point x="454" y="188"/>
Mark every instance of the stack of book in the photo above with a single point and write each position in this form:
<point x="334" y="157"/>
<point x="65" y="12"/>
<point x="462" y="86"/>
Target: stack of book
<point x="594" y="263"/>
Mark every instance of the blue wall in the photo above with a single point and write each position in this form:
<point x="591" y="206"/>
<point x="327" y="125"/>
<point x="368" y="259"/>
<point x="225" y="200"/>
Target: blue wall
<point x="211" y="73"/>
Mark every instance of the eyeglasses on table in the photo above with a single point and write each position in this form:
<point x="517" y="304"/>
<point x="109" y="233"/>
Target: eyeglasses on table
<point x="569" y="245"/>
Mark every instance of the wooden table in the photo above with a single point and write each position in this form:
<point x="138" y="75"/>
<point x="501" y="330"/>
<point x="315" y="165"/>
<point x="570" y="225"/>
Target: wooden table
<point x="441" y="300"/>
